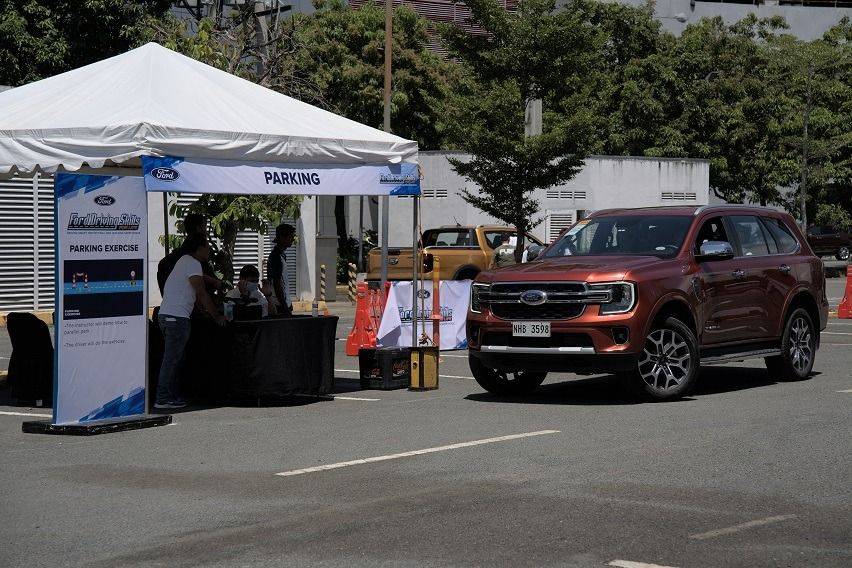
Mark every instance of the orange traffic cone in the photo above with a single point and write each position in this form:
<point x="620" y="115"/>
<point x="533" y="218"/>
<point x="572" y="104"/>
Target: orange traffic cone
<point x="844" y="310"/>
<point x="363" y="333"/>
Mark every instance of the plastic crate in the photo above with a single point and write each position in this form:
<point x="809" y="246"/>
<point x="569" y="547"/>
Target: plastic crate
<point x="385" y="368"/>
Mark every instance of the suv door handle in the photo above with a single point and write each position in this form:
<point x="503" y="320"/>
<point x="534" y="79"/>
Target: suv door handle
<point x="784" y="268"/>
<point x="738" y="273"/>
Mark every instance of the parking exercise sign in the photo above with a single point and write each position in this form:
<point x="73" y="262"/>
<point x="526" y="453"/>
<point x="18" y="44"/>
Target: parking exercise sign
<point x="101" y="291"/>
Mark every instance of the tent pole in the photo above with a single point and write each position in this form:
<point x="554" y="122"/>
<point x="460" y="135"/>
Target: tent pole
<point x="360" y="233"/>
<point x="166" y="220"/>
<point x="415" y="257"/>
<point x="384" y="237"/>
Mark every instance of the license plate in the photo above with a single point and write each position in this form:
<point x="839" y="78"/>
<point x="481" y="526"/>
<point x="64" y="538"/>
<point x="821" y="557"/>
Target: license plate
<point x="531" y="329"/>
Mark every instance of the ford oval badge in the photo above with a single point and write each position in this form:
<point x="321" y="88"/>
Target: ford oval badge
<point x="104" y="200"/>
<point x="165" y="174"/>
<point x="423" y="294"/>
<point x="533" y="297"/>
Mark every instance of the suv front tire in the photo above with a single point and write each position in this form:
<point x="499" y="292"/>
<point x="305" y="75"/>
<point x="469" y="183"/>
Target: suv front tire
<point x="667" y="367"/>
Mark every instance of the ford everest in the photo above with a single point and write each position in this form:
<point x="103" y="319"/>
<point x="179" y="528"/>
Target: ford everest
<point x="651" y="294"/>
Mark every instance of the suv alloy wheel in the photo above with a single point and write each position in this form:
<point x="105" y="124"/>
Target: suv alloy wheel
<point x="501" y="383"/>
<point x="667" y="368"/>
<point x="798" y="347"/>
<point x="842" y="254"/>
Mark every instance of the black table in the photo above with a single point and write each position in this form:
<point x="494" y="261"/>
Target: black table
<point x="278" y="357"/>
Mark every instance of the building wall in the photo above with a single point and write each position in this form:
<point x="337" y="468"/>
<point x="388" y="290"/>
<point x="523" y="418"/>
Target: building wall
<point x="806" y="22"/>
<point x="604" y="182"/>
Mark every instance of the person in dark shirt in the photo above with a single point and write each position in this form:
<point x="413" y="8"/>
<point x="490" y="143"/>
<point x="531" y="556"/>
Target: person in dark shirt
<point x="276" y="266"/>
<point x="193" y="224"/>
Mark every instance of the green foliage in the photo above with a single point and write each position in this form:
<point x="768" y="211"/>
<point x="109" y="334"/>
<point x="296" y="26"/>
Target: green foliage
<point x="230" y="214"/>
<point x="40" y="38"/>
<point x="537" y="52"/>
<point x="341" y="51"/>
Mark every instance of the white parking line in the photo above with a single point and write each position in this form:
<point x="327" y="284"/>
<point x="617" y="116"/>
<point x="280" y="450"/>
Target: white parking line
<point x="414" y="453"/>
<point x="336" y="397"/>
<point x="741" y="527"/>
<point x="837" y="333"/>
<point x="631" y="564"/>
<point x="847" y="390"/>
<point x="4" y="413"/>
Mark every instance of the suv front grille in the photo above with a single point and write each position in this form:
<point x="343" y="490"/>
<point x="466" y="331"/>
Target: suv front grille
<point x="565" y="300"/>
<point x="518" y="311"/>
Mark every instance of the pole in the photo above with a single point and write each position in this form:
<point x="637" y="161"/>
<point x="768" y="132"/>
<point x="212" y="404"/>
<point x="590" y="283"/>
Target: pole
<point x="166" y="220"/>
<point x="415" y="269"/>
<point x="387" y="127"/>
<point x="360" y="264"/>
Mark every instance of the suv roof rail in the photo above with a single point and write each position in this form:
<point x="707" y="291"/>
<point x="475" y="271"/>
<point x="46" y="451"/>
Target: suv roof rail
<point x="709" y="206"/>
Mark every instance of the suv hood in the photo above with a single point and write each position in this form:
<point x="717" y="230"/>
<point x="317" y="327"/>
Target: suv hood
<point x="582" y="268"/>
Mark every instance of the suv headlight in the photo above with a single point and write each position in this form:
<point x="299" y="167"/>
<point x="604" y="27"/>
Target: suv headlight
<point x="622" y="297"/>
<point x="476" y="291"/>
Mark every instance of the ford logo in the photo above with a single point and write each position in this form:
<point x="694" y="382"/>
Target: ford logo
<point x="104" y="200"/>
<point x="423" y="294"/>
<point x="534" y="297"/>
<point x="165" y="174"/>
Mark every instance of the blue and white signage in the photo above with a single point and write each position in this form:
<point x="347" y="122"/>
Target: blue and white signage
<point x="101" y="300"/>
<point x="396" y="327"/>
<point x="264" y="178"/>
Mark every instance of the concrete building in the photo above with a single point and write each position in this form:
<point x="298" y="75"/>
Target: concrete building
<point x="604" y="182"/>
<point x="808" y="19"/>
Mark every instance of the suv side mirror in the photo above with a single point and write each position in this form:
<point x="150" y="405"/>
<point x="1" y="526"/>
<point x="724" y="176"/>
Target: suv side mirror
<point x="715" y="250"/>
<point x="533" y="252"/>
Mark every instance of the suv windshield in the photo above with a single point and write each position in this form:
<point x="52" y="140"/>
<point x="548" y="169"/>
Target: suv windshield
<point x="660" y="236"/>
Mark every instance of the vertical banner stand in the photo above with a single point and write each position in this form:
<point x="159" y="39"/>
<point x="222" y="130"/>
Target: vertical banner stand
<point x="100" y="370"/>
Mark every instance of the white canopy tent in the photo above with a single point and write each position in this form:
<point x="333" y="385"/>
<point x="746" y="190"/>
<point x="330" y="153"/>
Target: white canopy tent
<point x="154" y="102"/>
<point x="184" y="127"/>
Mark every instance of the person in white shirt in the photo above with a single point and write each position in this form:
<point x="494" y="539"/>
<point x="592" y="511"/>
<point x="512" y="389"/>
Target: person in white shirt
<point x="248" y="288"/>
<point x="184" y="287"/>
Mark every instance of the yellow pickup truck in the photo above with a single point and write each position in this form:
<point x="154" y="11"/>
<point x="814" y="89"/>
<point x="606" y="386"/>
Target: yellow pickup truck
<point x="463" y="252"/>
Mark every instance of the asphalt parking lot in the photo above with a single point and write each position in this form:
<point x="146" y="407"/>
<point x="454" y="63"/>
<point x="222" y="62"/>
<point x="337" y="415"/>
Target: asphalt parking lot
<point x="746" y="472"/>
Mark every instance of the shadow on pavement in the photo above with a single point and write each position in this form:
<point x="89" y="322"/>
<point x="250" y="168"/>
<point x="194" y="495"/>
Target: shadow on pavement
<point x="607" y="389"/>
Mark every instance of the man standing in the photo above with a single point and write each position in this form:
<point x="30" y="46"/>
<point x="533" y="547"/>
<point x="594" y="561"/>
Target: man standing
<point x="276" y="267"/>
<point x="184" y="286"/>
<point x="193" y="224"/>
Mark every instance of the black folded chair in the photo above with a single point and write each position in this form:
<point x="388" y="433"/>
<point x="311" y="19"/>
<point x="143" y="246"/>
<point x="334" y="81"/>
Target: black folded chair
<point x="31" y="365"/>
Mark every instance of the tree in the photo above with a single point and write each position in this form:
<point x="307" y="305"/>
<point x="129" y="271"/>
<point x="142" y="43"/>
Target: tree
<point x="536" y="53"/>
<point x="341" y="51"/>
<point x="40" y="38"/>
<point x="708" y="94"/>
<point x="817" y="80"/>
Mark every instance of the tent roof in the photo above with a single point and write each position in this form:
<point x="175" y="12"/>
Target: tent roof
<point x="154" y="101"/>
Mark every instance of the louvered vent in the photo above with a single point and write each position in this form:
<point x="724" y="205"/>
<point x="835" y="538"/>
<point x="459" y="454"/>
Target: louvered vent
<point x="556" y="223"/>
<point x="26" y="243"/>
<point x="677" y="196"/>
<point x="559" y="193"/>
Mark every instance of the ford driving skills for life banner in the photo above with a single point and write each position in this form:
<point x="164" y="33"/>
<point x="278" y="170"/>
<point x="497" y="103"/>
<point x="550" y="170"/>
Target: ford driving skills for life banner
<point x="101" y="317"/>
<point x="396" y="327"/>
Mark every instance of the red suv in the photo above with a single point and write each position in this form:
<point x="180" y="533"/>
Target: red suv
<point x="652" y="294"/>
